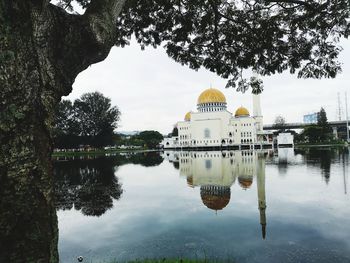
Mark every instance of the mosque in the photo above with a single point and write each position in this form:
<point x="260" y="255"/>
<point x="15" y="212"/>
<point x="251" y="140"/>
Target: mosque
<point x="213" y="126"/>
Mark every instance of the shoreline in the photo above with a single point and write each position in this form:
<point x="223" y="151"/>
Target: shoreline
<point x="99" y="152"/>
<point x="116" y="151"/>
<point x="323" y="145"/>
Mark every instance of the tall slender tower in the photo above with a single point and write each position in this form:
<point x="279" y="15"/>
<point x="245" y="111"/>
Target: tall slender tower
<point x="347" y="117"/>
<point x="261" y="193"/>
<point x="339" y="109"/>
<point x="257" y="112"/>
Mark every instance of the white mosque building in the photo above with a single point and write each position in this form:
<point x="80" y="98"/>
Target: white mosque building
<point x="213" y="126"/>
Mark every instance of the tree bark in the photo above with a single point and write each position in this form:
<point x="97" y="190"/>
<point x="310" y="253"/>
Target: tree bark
<point x="42" y="50"/>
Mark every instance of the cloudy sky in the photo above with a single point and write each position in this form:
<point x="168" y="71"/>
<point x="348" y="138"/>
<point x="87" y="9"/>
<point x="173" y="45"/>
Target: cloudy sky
<point x="154" y="92"/>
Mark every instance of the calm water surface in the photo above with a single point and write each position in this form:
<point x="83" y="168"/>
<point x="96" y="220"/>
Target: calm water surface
<point x="244" y="206"/>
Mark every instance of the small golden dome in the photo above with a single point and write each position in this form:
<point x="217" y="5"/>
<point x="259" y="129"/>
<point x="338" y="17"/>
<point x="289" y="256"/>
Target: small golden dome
<point x="241" y="111"/>
<point x="190" y="181"/>
<point x="188" y="116"/>
<point x="211" y="95"/>
<point x="245" y="183"/>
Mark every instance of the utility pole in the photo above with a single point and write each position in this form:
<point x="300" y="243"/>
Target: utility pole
<point x="347" y="117"/>
<point x="339" y="110"/>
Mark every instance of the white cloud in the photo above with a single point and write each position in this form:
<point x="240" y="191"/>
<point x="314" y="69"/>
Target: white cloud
<point x="154" y="92"/>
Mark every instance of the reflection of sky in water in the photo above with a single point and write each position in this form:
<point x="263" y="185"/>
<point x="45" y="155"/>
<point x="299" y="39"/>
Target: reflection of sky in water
<point x="159" y="215"/>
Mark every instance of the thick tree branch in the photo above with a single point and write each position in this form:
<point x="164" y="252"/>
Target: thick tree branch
<point x="102" y="16"/>
<point x="299" y="3"/>
<point x="77" y="41"/>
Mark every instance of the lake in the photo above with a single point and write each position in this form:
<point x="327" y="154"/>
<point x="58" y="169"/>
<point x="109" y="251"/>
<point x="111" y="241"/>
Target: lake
<point x="243" y="206"/>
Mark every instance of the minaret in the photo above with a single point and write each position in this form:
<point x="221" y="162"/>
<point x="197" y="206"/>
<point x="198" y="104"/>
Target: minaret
<point x="257" y="112"/>
<point x="257" y="108"/>
<point x="261" y="193"/>
<point x="256" y="105"/>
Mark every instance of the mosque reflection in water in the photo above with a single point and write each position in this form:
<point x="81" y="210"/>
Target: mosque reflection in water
<point x="215" y="172"/>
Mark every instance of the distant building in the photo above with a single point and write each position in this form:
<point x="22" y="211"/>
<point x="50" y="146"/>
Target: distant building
<point x="212" y="125"/>
<point x="311" y="118"/>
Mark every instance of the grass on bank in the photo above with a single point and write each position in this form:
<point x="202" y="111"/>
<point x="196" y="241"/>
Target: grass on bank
<point x="173" y="261"/>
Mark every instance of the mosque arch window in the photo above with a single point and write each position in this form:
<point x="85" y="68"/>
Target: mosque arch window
<point x="230" y="141"/>
<point x="230" y="134"/>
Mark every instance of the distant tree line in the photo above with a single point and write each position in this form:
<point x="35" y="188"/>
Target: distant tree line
<point x="89" y="120"/>
<point x="147" y="139"/>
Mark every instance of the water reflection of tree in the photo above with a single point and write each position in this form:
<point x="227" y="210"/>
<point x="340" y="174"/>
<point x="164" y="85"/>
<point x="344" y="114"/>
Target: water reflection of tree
<point x="324" y="158"/>
<point x="91" y="185"/>
<point x="147" y="159"/>
<point x="88" y="185"/>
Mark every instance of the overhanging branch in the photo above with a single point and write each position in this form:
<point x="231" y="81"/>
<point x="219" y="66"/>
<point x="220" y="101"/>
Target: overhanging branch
<point x="300" y="3"/>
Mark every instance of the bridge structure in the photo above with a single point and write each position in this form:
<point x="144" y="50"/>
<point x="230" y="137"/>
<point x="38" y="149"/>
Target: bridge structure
<point x="300" y="125"/>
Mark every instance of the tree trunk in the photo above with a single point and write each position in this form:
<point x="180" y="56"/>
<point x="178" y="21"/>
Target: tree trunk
<point x="42" y="50"/>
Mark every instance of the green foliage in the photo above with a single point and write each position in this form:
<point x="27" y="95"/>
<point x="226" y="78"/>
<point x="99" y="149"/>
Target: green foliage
<point x="280" y="120"/>
<point x="228" y="37"/>
<point x="150" y="138"/>
<point x="322" y="122"/>
<point x="91" y="120"/>
<point x="319" y="133"/>
<point x="312" y="133"/>
<point x="95" y="114"/>
<point x="322" y="119"/>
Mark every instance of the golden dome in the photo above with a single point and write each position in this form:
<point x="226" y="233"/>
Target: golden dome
<point x="215" y="197"/>
<point x="241" y="111"/>
<point x="188" y="116"/>
<point x="211" y="95"/>
<point x="245" y="183"/>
